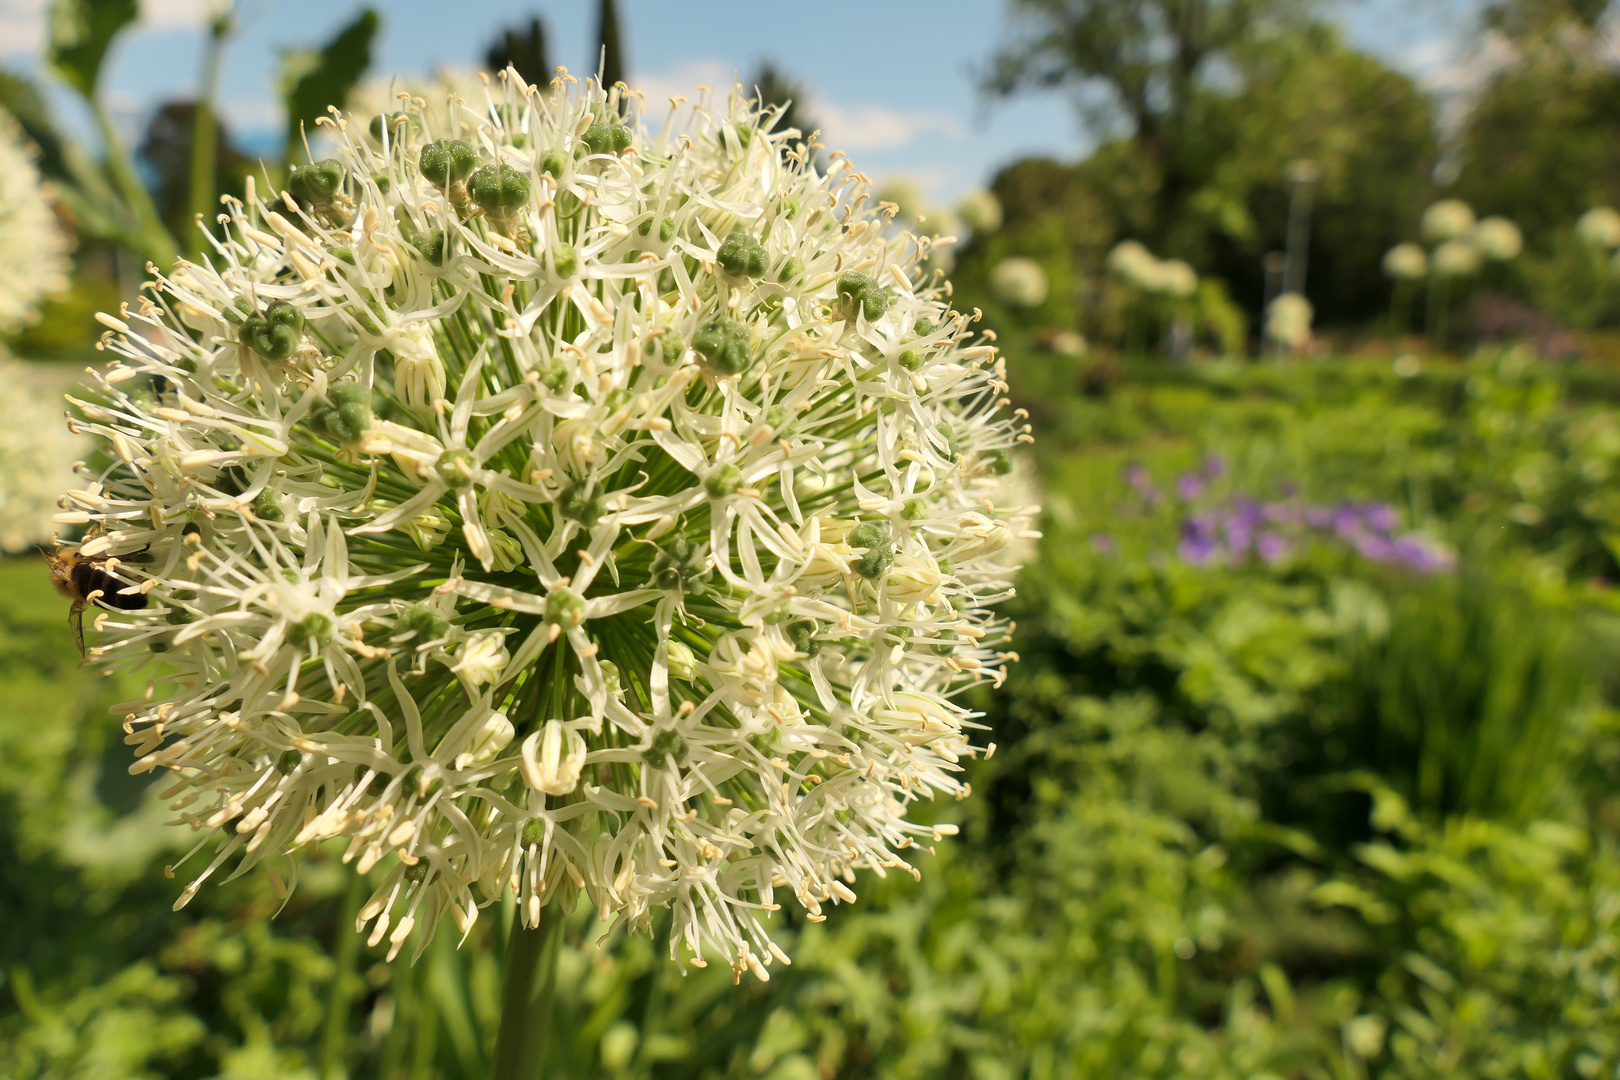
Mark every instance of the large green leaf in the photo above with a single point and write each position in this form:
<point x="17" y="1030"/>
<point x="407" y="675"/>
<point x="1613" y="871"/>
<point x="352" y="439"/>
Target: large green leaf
<point x="311" y="80"/>
<point x="81" y="33"/>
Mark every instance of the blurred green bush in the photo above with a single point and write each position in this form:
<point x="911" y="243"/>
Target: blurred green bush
<point x="1310" y="815"/>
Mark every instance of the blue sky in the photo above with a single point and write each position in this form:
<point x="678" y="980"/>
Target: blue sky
<point x="892" y="80"/>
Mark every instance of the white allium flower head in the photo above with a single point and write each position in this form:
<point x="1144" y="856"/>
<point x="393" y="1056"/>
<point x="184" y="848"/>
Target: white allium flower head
<point x="1288" y="320"/>
<point x="37" y="455"/>
<point x="33" y="249"/>
<point x="980" y="210"/>
<point x="1133" y="262"/>
<point x="1447" y="219"/>
<point x="1019" y="281"/>
<point x="1600" y="227"/>
<point x="1455" y="258"/>
<point x="1175" y="278"/>
<point x="1498" y="239"/>
<point x="543" y="503"/>
<point x="1406" y="262"/>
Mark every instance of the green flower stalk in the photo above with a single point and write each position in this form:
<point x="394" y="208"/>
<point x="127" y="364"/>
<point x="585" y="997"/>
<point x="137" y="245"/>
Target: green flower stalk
<point x="506" y="510"/>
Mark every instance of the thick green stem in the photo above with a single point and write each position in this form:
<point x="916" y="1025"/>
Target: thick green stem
<point x="531" y="978"/>
<point x="155" y="242"/>
<point x="335" y="1035"/>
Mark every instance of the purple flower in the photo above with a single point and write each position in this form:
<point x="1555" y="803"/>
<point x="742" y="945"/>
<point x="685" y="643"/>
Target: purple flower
<point x="1420" y="555"/>
<point x="1318" y="517"/>
<point x="1102" y="543"/>
<point x="1196" y="552"/>
<point x="1214" y="467"/>
<point x="1280" y="513"/>
<point x="1272" y="546"/>
<point x="1380" y="516"/>
<point x="1137" y="476"/>
<point x="1347" y="521"/>
<point x="1189" y="487"/>
<point x="1376" y="548"/>
<point x="1198" y="540"/>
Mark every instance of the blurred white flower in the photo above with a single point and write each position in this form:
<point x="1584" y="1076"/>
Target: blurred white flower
<point x="1019" y="281"/>
<point x="1288" y="320"/>
<point x="1455" y="258"/>
<point x="1600" y="227"/>
<point x="37" y="454"/>
<point x="1133" y="262"/>
<point x="33" y="249"/>
<point x="602" y="531"/>
<point x="980" y="210"/>
<point x="1498" y="239"/>
<point x="1176" y="279"/>
<point x="1068" y="343"/>
<point x="1406" y="262"/>
<point x="1447" y="219"/>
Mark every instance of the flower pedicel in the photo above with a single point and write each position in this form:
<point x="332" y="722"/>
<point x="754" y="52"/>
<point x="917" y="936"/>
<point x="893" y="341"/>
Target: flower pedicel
<point x="542" y="503"/>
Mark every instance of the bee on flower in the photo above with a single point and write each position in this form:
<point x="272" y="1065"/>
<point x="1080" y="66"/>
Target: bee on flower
<point x="543" y="502"/>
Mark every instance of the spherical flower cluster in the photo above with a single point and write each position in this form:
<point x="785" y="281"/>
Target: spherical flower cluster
<point x="1600" y="227"/>
<point x="1141" y="269"/>
<point x="33" y="249"/>
<point x="1288" y="320"/>
<point x="1447" y="219"/>
<point x="1019" y="281"/>
<point x="540" y="502"/>
<point x="1406" y="262"/>
<point x="979" y="210"/>
<point x="37" y="456"/>
<point x="1498" y="239"/>
<point x="1455" y="258"/>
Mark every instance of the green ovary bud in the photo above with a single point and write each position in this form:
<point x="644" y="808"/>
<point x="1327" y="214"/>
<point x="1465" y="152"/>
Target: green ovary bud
<point x="666" y="228"/>
<point x="317" y="184"/>
<point x="421" y="625"/>
<point x="501" y="192"/>
<point x="607" y="137"/>
<point x="857" y="292"/>
<point x="665" y="744"/>
<point x="447" y="162"/>
<point x="792" y="270"/>
<point x="312" y="627"/>
<point x="672" y="345"/>
<point x="345" y="415"/>
<point x="288" y="761"/>
<point x="265" y="507"/>
<point x="911" y="360"/>
<point x="913" y="509"/>
<point x="432" y="244"/>
<point x="724" y="481"/>
<point x="553" y="163"/>
<point x="875" y="563"/>
<point x="566" y="259"/>
<point x="680" y="567"/>
<point x="276" y="334"/>
<point x="742" y="256"/>
<point x="577" y="504"/>
<point x="456" y="468"/>
<point x="553" y="374"/>
<point x="723" y="344"/>
<point x="565" y="608"/>
<point x="398" y="126"/>
<point x="869" y="534"/>
<point x="803" y="636"/>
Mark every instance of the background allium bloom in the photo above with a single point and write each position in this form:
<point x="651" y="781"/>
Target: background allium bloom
<point x="37" y="454"/>
<point x="33" y="249"/>
<point x="1600" y="227"/>
<point x="1455" y="258"/>
<point x="979" y="210"/>
<point x="543" y="503"/>
<point x="1406" y="262"/>
<point x="1447" y="219"/>
<point x="1498" y="239"/>
<point x="1288" y="320"/>
<point x="1019" y="281"/>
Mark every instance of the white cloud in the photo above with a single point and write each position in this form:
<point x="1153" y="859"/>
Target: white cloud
<point x="875" y="127"/>
<point x="682" y="80"/>
<point x="22" y="26"/>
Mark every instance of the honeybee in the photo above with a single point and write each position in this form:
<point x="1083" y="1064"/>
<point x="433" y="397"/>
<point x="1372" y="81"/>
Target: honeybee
<point x="85" y="579"/>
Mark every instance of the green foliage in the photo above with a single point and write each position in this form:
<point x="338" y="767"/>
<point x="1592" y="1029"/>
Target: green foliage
<point x="313" y="79"/>
<point x="81" y="33"/>
<point x="1315" y="817"/>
